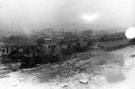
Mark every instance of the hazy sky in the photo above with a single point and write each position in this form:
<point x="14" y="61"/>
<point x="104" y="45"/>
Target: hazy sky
<point x="24" y="15"/>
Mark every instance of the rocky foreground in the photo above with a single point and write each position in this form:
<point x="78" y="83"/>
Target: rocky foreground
<point x="90" y="70"/>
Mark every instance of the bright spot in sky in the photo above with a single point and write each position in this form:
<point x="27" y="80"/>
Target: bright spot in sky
<point x="130" y="33"/>
<point x="89" y="17"/>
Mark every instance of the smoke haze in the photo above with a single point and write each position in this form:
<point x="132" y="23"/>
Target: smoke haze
<point x="26" y="15"/>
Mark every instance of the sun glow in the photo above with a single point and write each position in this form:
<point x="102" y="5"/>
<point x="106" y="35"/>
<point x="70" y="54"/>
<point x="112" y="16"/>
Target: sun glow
<point x="130" y="33"/>
<point x="89" y="17"/>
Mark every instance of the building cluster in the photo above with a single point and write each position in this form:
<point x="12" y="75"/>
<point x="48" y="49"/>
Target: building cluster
<point x="45" y="49"/>
<point x="41" y="48"/>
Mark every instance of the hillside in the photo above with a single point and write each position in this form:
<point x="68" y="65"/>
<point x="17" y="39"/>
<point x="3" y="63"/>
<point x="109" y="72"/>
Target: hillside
<point x="89" y="70"/>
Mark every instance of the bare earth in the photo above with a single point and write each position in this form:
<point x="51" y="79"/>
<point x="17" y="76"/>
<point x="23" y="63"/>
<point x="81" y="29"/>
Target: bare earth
<point x="89" y="70"/>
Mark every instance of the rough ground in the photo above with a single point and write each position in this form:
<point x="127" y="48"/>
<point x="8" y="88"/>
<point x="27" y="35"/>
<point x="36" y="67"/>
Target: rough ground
<point x="89" y="70"/>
